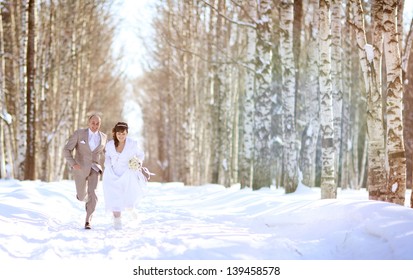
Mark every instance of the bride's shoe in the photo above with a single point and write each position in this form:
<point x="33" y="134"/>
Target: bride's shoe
<point x="117" y="223"/>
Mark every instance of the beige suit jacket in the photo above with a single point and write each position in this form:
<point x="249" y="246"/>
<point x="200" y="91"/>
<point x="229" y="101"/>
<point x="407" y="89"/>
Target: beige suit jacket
<point x="86" y="158"/>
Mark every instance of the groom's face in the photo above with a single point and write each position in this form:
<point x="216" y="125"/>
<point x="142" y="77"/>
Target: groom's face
<point x="94" y="123"/>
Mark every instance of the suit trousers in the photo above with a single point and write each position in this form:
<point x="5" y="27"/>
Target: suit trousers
<point x="86" y="191"/>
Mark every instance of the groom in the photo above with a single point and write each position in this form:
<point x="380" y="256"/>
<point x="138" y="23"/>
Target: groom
<point x="87" y="164"/>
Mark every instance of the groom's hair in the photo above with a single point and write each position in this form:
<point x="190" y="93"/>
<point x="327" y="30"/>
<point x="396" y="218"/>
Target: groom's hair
<point x="94" y="115"/>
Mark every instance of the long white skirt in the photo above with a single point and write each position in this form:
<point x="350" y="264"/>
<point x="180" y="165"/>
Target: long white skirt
<point x="123" y="192"/>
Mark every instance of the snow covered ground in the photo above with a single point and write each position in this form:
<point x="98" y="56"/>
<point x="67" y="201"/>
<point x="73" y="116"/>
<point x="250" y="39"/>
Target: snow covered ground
<point x="44" y="221"/>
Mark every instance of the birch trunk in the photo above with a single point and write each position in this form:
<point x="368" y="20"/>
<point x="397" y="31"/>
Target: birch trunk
<point x="328" y="184"/>
<point x="29" y="167"/>
<point x="262" y="131"/>
<point x="15" y="144"/>
<point x="223" y="103"/>
<point x="355" y="132"/>
<point x="376" y="147"/>
<point x="396" y="184"/>
<point x="247" y="153"/>
<point x="168" y="165"/>
<point x="209" y="97"/>
<point x="75" y="60"/>
<point x="311" y="132"/>
<point x="3" y="111"/>
<point x="288" y="96"/>
<point x="180" y="108"/>
<point x="20" y="127"/>
<point x="407" y="112"/>
<point x="337" y="78"/>
<point x="45" y="116"/>
<point x="235" y="126"/>
<point x="187" y="110"/>
<point x="346" y="140"/>
<point x="83" y="77"/>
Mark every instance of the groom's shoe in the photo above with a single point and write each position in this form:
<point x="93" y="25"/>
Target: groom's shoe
<point x="88" y="219"/>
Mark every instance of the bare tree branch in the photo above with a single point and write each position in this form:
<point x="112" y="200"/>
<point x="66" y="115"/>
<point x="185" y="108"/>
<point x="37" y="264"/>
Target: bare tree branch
<point x="229" y="19"/>
<point x="231" y="60"/>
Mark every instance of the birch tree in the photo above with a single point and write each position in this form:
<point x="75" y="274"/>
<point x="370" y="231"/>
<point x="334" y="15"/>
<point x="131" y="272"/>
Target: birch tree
<point x="328" y="185"/>
<point x="187" y="87"/>
<point x="39" y="74"/>
<point x="223" y="101"/>
<point x="247" y="152"/>
<point x="262" y="131"/>
<point x="246" y="67"/>
<point x="337" y="78"/>
<point x="407" y="112"/>
<point x="206" y="165"/>
<point x="396" y="185"/>
<point x="310" y="134"/>
<point x="19" y="28"/>
<point x="288" y="95"/>
<point x="408" y="116"/>
<point x="277" y="163"/>
<point x="3" y="110"/>
<point x="10" y="47"/>
<point x="29" y="168"/>
<point x="347" y="92"/>
<point x="376" y="146"/>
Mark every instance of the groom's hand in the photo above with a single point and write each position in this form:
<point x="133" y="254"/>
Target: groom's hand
<point x="76" y="167"/>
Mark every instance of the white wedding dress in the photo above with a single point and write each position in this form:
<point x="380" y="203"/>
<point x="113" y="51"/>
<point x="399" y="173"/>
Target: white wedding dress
<point x="123" y="187"/>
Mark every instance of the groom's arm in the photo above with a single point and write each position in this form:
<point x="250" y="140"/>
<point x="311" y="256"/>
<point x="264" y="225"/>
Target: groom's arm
<point x="68" y="149"/>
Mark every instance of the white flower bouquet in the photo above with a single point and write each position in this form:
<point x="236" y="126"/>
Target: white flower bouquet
<point x="135" y="164"/>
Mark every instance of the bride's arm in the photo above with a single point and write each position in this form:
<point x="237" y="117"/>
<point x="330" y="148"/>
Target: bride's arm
<point x="137" y="152"/>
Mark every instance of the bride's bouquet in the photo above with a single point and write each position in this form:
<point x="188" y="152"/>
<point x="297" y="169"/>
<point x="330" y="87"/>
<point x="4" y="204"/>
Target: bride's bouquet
<point x="135" y="164"/>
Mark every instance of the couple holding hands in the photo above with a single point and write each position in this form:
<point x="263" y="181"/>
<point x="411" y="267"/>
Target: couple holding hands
<point x="89" y="154"/>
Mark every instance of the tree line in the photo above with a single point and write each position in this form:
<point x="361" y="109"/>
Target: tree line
<point x="270" y="92"/>
<point x="56" y="68"/>
<point x="278" y="92"/>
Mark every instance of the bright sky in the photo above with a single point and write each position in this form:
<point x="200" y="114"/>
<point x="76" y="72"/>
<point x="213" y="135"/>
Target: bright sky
<point x="408" y="13"/>
<point x="134" y="16"/>
<point x="135" y="19"/>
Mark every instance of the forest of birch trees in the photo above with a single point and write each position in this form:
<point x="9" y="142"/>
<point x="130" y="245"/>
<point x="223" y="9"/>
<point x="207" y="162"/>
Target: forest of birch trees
<point x="277" y="92"/>
<point x="256" y="92"/>
<point x="56" y="68"/>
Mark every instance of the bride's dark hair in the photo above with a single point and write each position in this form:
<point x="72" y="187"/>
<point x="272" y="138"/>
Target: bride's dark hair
<point x="119" y="127"/>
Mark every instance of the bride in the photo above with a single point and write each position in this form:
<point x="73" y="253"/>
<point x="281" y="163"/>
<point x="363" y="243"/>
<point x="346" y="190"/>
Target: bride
<point x="123" y="180"/>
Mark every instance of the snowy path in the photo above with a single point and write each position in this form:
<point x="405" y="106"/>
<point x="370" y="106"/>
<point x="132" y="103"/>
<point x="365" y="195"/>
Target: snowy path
<point x="44" y="221"/>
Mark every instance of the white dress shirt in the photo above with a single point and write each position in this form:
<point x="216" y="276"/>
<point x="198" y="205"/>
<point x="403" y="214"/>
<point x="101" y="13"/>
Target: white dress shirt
<point x="94" y="139"/>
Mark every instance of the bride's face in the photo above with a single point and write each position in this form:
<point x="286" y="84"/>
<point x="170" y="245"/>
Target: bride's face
<point x="121" y="135"/>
